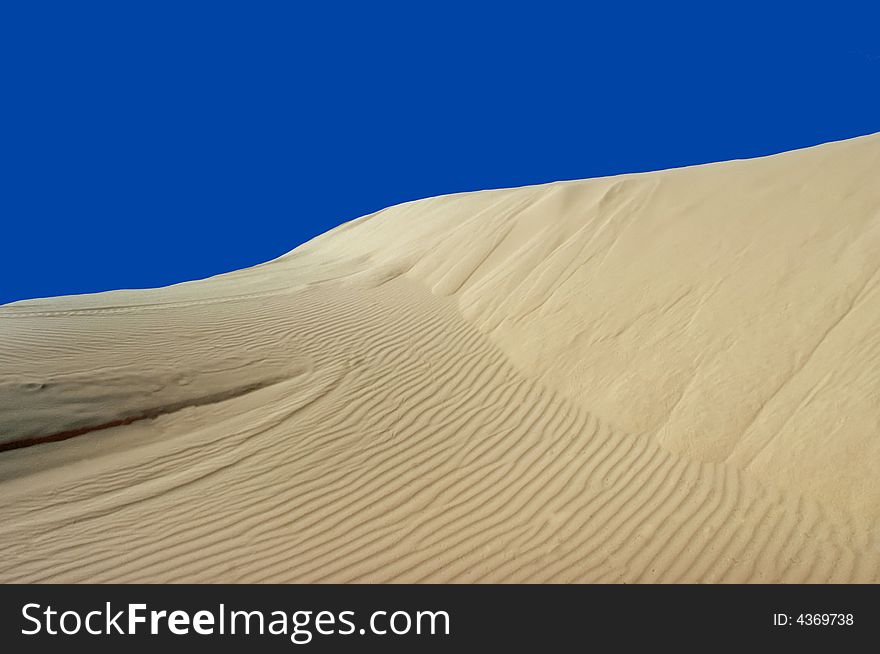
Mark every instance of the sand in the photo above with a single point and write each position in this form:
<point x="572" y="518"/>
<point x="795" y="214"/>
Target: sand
<point x="661" y="377"/>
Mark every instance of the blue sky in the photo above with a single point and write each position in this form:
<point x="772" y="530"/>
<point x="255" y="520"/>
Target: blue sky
<point x="147" y="143"/>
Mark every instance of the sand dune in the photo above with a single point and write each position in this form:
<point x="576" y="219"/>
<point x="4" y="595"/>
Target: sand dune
<point x="662" y="377"/>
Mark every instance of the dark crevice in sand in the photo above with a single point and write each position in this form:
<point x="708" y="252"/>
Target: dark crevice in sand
<point x="147" y="414"/>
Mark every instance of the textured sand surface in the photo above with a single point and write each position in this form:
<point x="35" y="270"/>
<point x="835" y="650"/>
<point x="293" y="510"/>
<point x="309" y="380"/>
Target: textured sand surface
<point x="672" y="376"/>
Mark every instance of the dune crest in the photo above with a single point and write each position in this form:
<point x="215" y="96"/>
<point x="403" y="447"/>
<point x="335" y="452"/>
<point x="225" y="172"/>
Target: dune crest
<point x="667" y="376"/>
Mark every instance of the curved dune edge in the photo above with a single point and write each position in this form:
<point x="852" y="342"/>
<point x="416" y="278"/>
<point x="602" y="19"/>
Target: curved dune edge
<point x="420" y="405"/>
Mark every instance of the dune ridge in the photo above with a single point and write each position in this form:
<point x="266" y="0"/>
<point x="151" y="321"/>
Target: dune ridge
<point x="661" y="377"/>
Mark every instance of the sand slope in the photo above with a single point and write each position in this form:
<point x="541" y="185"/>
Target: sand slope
<point x="664" y="377"/>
